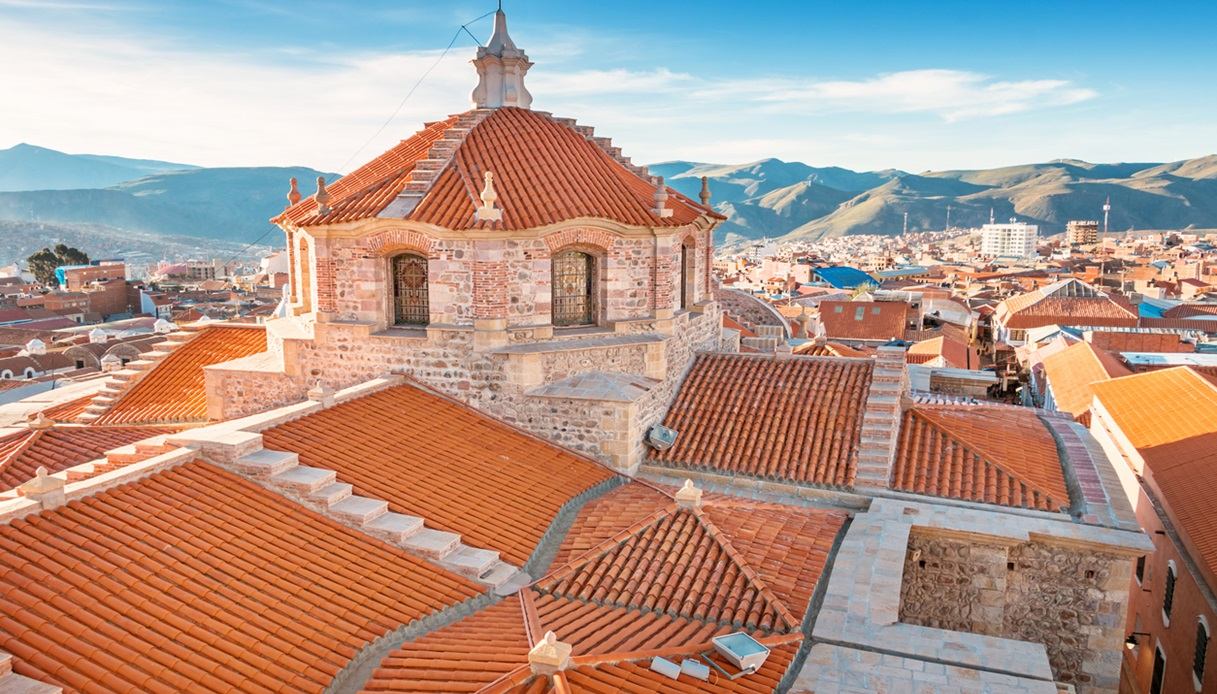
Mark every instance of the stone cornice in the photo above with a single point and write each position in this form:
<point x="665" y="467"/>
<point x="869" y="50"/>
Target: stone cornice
<point x="365" y="227"/>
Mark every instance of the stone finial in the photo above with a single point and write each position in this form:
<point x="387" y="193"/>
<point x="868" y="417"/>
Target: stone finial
<point x="97" y="336"/>
<point x="501" y="67"/>
<point x="46" y="490"/>
<point x="293" y="192"/>
<point x="661" y="199"/>
<point x="688" y="496"/>
<point x="322" y="196"/>
<point x="705" y="191"/>
<point x="488" y="212"/>
<point x="321" y="393"/>
<point x="111" y="363"/>
<point x="40" y="421"/>
<point x="549" y="655"/>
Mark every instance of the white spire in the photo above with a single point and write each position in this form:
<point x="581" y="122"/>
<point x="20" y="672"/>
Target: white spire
<point x="501" y="68"/>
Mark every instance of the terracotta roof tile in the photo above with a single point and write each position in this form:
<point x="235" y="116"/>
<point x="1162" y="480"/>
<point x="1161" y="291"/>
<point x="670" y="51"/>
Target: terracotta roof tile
<point x="194" y="579"/>
<point x="996" y="455"/>
<point x="367" y="190"/>
<point x="863" y="320"/>
<point x="1071" y="371"/>
<point x="1160" y="407"/>
<point x="1124" y="341"/>
<point x="782" y="551"/>
<point x="672" y="563"/>
<point x="636" y="676"/>
<point x="544" y="172"/>
<point x="796" y="419"/>
<point x="59" y="448"/>
<point x="173" y="391"/>
<point x="461" y="657"/>
<point x="68" y="411"/>
<point x="1185" y="474"/>
<point x="442" y="460"/>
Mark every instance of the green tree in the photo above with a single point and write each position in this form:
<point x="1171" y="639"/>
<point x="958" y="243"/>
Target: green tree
<point x="43" y="263"/>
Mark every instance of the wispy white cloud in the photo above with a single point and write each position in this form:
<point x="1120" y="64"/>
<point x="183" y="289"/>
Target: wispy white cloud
<point x="145" y="95"/>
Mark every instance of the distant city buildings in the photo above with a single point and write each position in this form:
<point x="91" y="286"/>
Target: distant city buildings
<point x="1012" y="240"/>
<point x="1081" y="232"/>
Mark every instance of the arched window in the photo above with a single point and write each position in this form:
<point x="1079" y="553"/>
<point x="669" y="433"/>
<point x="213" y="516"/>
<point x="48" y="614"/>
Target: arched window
<point x="574" y="288"/>
<point x="410" y="303"/>
<point x="688" y="274"/>
<point x="1168" y="594"/>
<point x="1202" y="647"/>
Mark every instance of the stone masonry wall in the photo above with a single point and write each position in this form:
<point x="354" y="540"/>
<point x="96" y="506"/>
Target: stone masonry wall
<point x="1068" y="599"/>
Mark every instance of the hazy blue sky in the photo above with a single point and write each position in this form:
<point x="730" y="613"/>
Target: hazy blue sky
<point x="867" y="85"/>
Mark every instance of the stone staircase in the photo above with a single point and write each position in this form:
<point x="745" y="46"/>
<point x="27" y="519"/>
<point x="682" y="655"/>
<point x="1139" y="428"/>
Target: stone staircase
<point x="12" y="683"/>
<point x="121" y="457"/>
<point x="318" y="489"/>
<point x="124" y="379"/>
<point x="881" y="419"/>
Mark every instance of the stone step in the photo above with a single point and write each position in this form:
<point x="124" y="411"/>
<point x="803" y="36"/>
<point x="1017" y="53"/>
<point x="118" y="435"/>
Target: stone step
<point x="96" y="410"/>
<point x="431" y="544"/>
<point x="303" y="479"/>
<point x="153" y="447"/>
<point x="155" y="355"/>
<point x="506" y="579"/>
<point x="180" y="336"/>
<point x="359" y="510"/>
<point x="82" y="472"/>
<point x="266" y="463"/>
<point x="394" y="527"/>
<point x="331" y="494"/>
<point x="140" y="364"/>
<point x="110" y="391"/>
<point x="470" y="562"/>
<point x="125" y="455"/>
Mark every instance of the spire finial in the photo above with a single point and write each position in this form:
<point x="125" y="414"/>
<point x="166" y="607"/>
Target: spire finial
<point x="501" y="68"/>
<point x="488" y="212"/>
<point x="322" y="196"/>
<point x="705" y="191"/>
<point x="293" y="192"/>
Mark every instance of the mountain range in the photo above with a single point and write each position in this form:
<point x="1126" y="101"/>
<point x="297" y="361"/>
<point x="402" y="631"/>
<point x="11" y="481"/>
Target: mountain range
<point x="791" y="200"/>
<point x="43" y="189"/>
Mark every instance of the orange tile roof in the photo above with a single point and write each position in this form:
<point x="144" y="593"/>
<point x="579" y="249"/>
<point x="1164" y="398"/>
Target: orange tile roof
<point x="796" y="419"/>
<point x="782" y="547"/>
<point x="544" y="172"/>
<point x="878" y="320"/>
<point x="68" y="411"/>
<point x="367" y="190"/>
<point x="194" y="579"/>
<point x="173" y="391"/>
<point x="461" y="657"/>
<point x="636" y="676"/>
<point x="433" y="457"/>
<point x="1160" y="407"/>
<point x="996" y="455"/>
<point x="1139" y="342"/>
<point x="1184" y="474"/>
<point x="1071" y="372"/>
<point x="59" y="448"/>
<point x="672" y="563"/>
<point x="780" y="550"/>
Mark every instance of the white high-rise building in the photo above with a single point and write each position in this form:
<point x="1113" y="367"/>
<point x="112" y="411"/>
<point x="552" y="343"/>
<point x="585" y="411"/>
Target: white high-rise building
<point x="1015" y="239"/>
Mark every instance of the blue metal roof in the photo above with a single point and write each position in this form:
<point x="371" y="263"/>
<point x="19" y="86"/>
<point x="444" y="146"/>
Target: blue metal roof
<point x="843" y="277"/>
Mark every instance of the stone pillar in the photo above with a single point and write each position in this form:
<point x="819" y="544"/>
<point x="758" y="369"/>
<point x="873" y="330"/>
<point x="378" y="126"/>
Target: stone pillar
<point x="489" y="269"/>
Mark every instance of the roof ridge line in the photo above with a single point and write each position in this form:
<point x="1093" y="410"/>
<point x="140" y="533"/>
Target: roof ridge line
<point x="986" y="458"/>
<point x="30" y="439"/>
<point x="605" y="546"/>
<point x="761" y="585"/>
